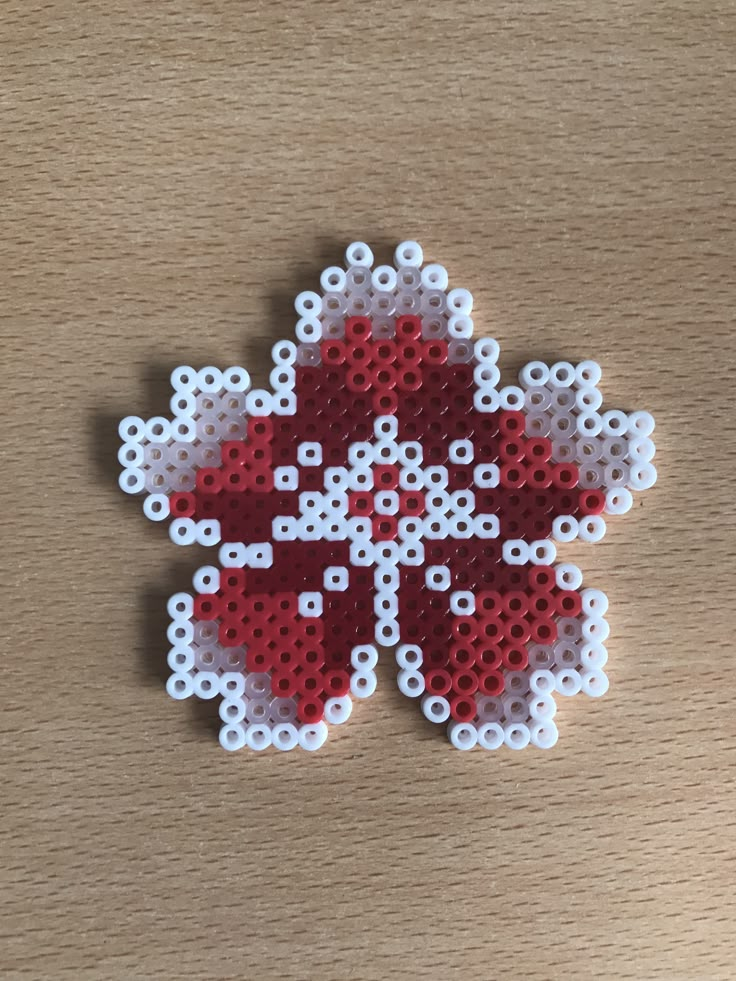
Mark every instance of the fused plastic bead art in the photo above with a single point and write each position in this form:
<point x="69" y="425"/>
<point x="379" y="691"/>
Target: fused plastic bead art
<point x="387" y="492"/>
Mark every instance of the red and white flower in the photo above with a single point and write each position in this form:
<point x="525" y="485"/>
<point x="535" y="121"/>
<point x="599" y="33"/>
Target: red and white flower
<point x="386" y="492"/>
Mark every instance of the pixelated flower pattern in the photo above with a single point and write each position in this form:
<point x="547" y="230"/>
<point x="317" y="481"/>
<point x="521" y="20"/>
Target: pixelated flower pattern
<point x="386" y="492"/>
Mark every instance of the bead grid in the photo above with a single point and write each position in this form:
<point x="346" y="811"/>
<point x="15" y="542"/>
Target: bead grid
<point x="387" y="493"/>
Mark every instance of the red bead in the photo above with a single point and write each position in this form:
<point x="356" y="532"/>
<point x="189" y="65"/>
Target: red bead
<point x="385" y="527"/>
<point x="515" y="658"/>
<point x="408" y="328"/>
<point x="310" y="710"/>
<point x="462" y="656"/>
<point x="358" y="328"/>
<point x="592" y="502"/>
<point x="513" y="475"/>
<point x="569" y="603"/>
<point x="465" y="682"/>
<point x="491" y="683"/>
<point x="182" y="505"/>
<point x="511" y="423"/>
<point x="463" y="708"/>
<point x="438" y="681"/>
<point x="565" y="476"/>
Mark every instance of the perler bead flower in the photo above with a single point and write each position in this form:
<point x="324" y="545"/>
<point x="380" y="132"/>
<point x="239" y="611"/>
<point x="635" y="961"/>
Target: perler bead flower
<point x="387" y="493"/>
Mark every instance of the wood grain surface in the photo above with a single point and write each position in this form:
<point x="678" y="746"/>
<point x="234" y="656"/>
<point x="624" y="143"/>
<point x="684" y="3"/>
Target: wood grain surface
<point x="171" y="175"/>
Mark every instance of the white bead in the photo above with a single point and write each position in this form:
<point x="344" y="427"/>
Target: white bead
<point x="619" y="500"/>
<point x="490" y="735"/>
<point x="258" y="736"/>
<point x="641" y="449"/>
<point x="486" y="399"/>
<point x="385" y="604"/>
<point x="567" y="682"/>
<point x="184" y="379"/>
<point x="436" y="527"/>
<point x="308" y="304"/>
<point x="408" y="254"/>
<point x="460" y="301"/>
<point x="641" y="423"/>
<point x="233" y="555"/>
<point x="486" y="526"/>
<point x="542" y="707"/>
<point x="286" y="478"/>
<point x="313" y="736"/>
<point x="642" y="476"/>
<point x="309" y="454"/>
<point x="209" y="379"/>
<point x="486" y="375"/>
<point x="589" y="423"/>
<point x="486" y="350"/>
<point x="561" y="374"/>
<point x="183" y="404"/>
<point x="132" y="480"/>
<point x="543" y="734"/>
<point x="591" y="528"/>
<point x="592" y="656"/>
<point x="568" y="576"/>
<point x="462" y="602"/>
<point x="383" y="279"/>
<point x="338" y="710"/>
<point x="461" y="451"/>
<point x="180" y="659"/>
<point x="460" y="327"/>
<point x="363" y="683"/>
<point x="358" y="254"/>
<point x="594" y="683"/>
<point x="332" y="279"/>
<point x="595" y="602"/>
<point x="285" y="529"/>
<point x="284" y="353"/>
<point x="533" y="374"/>
<point x="515" y="551"/>
<point x="411" y="553"/>
<point x="232" y="736"/>
<point x="180" y="685"/>
<point x="180" y="606"/>
<point x="310" y="604"/>
<point x="183" y="531"/>
<point x="258" y="402"/>
<point x="364" y="657"/>
<point x="595" y="629"/>
<point x="542" y="681"/>
<point x="336" y="578"/>
<point x="362" y="553"/>
<point x="486" y="475"/>
<point x="410" y="683"/>
<point x="436" y="708"/>
<point x="587" y="373"/>
<point x="387" y="632"/>
<point x="235" y="379"/>
<point x="511" y="397"/>
<point x="409" y="453"/>
<point x="437" y="577"/>
<point x="232" y="684"/>
<point x="285" y="736"/>
<point x="614" y="422"/>
<point x="462" y="735"/>
<point x="588" y="399"/>
<point x="158" y="429"/>
<point x="516" y="735"/>
<point x="542" y="552"/>
<point x="409" y="657"/>
<point x="564" y="528"/>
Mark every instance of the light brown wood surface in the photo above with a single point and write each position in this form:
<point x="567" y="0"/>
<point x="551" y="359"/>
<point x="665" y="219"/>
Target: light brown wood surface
<point x="171" y="175"/>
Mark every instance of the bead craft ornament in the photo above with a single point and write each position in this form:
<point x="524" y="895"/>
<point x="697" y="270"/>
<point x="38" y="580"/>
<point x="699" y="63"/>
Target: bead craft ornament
<point x="387" y="492"/>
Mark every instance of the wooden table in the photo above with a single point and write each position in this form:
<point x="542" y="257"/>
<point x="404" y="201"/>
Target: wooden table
<point x="172" y="174"/>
